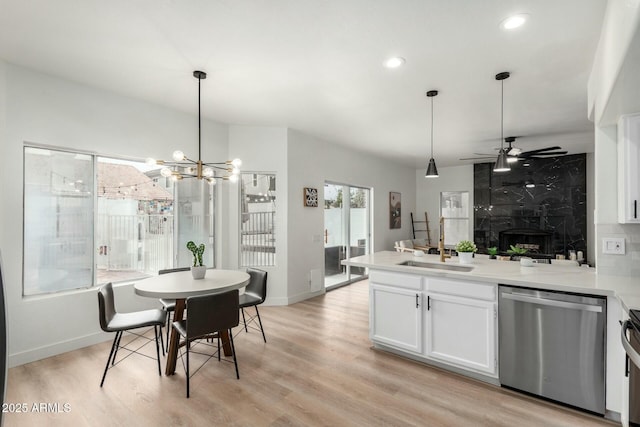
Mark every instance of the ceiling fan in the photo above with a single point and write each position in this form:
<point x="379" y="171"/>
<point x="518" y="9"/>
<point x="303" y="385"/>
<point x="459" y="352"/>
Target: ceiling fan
<point x="515" y="154"/>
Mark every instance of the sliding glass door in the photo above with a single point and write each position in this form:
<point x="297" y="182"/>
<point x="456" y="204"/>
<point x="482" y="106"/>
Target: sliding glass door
<point x="347" y="231"/>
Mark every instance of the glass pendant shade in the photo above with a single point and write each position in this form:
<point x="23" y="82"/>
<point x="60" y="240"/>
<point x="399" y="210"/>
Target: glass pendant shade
<point x="432" y="170"/>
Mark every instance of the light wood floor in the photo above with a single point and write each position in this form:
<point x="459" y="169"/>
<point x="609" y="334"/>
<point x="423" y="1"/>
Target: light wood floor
<point x="317" y="368"/>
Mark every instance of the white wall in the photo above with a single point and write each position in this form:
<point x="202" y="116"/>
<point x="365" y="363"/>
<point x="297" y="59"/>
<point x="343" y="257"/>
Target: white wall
<point x="452" y="178"/>
<point x="45" y="110"/>
<point x="262" y="149"/>
<point x="614" y="75"/>
<point x="311" y="162"/>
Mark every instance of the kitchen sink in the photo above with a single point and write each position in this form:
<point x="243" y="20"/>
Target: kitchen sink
<point x="448" y="267"/>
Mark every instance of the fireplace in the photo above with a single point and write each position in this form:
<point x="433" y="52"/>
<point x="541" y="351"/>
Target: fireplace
<point x="533" y="240"/>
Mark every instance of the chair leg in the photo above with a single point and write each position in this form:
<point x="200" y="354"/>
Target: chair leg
<point x="106" y="368"/>
<point x="218" y="346"/>
<point x="188" y="375"/>
<point x="244" y="320"/>
<point x="155" y="330"/>
<point x="161" y="340"/>
<point x="260" y="322"/>
<point x="233" y="350"/>
<point x="168" y="327"/>
<point x="117" y="347"/>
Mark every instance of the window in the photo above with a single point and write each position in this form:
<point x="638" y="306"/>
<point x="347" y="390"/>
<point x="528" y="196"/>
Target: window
<point x="129" y="223"/>
<point x="58" y="224"/>
<point x="454" y="207"/>
<point x="258" y="210"/>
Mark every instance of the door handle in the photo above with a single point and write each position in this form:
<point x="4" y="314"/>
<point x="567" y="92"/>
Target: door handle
<point x="552" y="302"/>
<point x="631" y="352"/>
<point x="417" y="301"/>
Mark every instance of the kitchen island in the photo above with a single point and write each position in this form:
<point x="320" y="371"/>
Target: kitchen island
<point x="447" y="315"/>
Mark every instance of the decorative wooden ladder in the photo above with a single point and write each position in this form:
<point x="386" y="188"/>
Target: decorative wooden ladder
<point x="425" y="229"/>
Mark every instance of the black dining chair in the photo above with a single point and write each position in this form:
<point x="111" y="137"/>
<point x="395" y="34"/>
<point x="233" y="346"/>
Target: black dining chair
<point x="254" y="294"/>
<point x="112" y="321"/>
<point x="209" y="315"/>
<point x="169" y="305"/>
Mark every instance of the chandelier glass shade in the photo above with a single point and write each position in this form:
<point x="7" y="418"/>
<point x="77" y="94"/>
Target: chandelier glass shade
<point x="183" y="167"/>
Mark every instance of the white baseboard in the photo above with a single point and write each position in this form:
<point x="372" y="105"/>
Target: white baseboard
<point x="292" y="299"/>
<point x="28" y="356"/>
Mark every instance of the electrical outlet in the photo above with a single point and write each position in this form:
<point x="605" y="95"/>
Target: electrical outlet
<point x="613" y="245"/>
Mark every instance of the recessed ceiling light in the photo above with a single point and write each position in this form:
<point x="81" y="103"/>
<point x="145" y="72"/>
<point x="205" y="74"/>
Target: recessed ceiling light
<point x="394" y="62"/>
<point x="514" y="21"/>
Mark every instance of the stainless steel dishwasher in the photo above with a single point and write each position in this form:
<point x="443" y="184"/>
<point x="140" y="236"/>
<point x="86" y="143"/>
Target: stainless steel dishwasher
<point x="552" y="344"/>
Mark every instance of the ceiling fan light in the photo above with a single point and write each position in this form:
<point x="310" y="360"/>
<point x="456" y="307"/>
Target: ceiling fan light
<point x="432" y="170"/>
<point x="512" y="159"/>
<point x="501" y="165"/>
<point x="530" y="184"/>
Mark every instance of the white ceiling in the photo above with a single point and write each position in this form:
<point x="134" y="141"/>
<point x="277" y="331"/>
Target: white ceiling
<point x="316" y="65"/>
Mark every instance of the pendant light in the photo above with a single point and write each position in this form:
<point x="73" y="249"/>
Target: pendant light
<point x="502" y="164"/>
<point x="183" y="167"/>
<point x="432" y="170"/>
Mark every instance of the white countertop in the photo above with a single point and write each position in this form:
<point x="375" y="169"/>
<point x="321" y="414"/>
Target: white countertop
<point x="564" y="277"/>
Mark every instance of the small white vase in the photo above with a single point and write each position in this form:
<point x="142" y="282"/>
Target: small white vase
<point x="199" y="272"/>
<point x="465" y="257"/>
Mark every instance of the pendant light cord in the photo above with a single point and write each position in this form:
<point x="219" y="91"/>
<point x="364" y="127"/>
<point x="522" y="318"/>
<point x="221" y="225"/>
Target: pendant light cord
<point x="199" y="124"/>
<point x="502" y="115"/>
<point x="432" y="127"/>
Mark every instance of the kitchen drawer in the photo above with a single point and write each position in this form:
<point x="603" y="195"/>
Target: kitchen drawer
<point x="408" y="281"/>
<point x="464" y="288"/>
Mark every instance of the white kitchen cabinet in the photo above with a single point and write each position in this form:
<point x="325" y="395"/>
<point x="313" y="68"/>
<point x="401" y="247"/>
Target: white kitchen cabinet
<point x="628" y="169"/>
<point x="396" y="317"/>
<point x="462" y="332"/>
<point x="449" y="321"/>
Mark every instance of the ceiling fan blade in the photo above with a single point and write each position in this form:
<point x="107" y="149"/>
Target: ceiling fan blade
<point x="540" y="150"/>
<point x="478" y="158"/>
<point x="555" y="153"/>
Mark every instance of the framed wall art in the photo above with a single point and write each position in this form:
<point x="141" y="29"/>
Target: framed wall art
<point x="310" y="196"/>
<point x="395" y="210"/>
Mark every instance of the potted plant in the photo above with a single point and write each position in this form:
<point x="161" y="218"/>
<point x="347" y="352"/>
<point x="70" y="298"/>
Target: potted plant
<point x="465" y="249"/>
<point x="198" y="270"/>
<point x="516" y="252"/>
<point x="492" y="251"/>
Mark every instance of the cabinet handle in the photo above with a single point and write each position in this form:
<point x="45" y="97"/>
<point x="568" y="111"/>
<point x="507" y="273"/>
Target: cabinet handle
<point x="635" y="209"/>
<point x="428" y="303"/>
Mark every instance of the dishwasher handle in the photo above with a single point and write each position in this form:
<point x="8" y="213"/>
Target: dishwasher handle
<point x="552" y="302"/>
<point x="631" y="352"/>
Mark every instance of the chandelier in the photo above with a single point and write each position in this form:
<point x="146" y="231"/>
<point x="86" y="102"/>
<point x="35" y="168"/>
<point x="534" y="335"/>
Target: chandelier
<point x="183" y="167"/>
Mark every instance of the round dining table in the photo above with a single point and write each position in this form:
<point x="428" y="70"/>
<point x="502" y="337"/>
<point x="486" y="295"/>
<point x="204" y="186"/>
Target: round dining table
<point x="181" y="285"/>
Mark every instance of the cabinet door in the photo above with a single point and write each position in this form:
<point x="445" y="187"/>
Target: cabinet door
<point x="396" y="317"/>
<point x="462" y="332"/>
<point x="628" y="165"/>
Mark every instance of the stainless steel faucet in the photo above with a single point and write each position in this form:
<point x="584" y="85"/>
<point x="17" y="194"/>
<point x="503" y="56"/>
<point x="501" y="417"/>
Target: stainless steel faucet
<point x="441" y="241"/>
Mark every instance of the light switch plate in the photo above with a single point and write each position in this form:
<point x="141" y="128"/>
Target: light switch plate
<point x="613" y="245"/>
